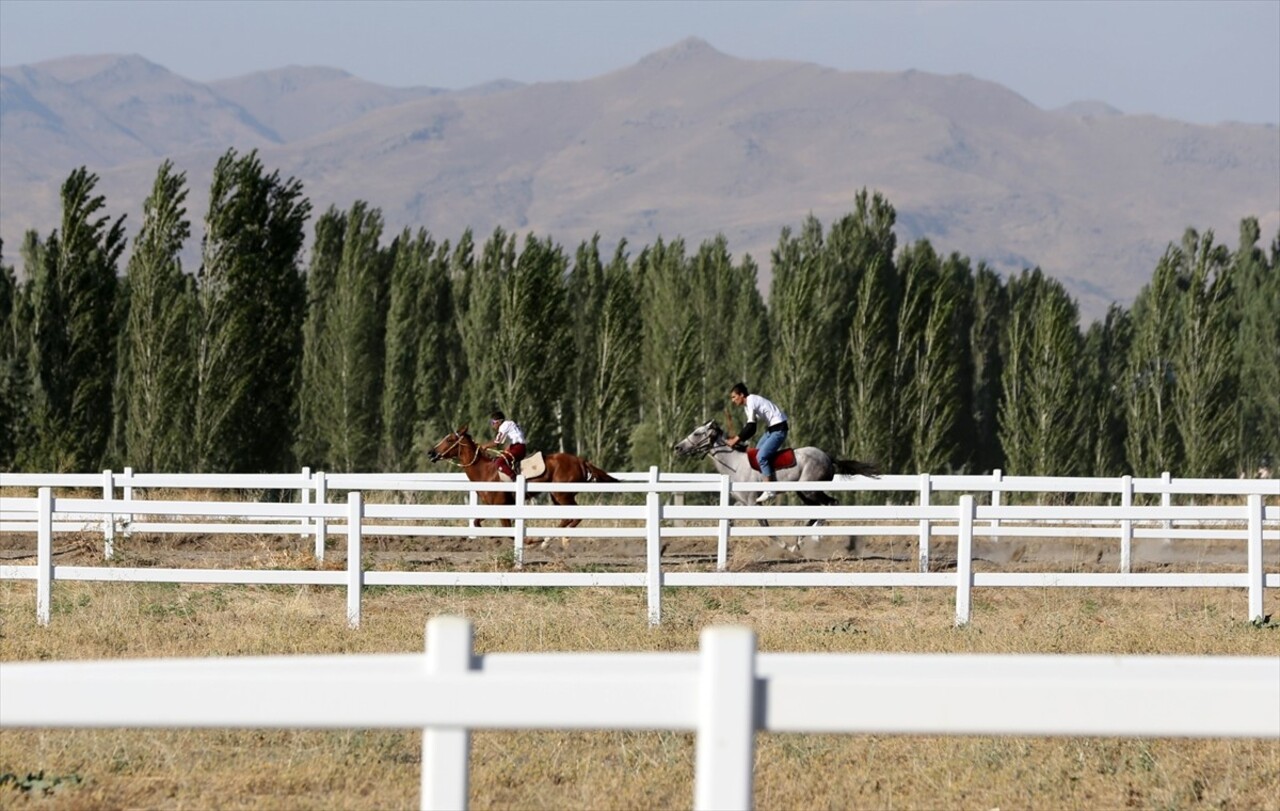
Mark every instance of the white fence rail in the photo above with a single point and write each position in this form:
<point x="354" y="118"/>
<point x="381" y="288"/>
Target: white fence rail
<point x="661" y="516"/>
<point x="725" y="694"/>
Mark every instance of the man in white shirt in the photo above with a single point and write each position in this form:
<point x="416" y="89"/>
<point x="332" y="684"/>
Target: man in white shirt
<point x="759" y="409"/>
<point x="506" y="432"/>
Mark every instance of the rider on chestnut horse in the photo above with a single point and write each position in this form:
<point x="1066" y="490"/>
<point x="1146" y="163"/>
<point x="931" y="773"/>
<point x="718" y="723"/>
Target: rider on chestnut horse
<point x="506" y="432"/>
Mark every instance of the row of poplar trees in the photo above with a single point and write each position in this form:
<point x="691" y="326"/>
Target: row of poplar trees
<point x="385" y="342"/>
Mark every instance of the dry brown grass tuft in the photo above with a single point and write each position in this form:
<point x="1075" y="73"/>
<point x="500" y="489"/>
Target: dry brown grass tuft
<point x="380" y="770"/>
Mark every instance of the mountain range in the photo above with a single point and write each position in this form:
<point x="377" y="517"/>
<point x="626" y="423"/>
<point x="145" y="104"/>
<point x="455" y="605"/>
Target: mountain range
<point x="688" y="142"/>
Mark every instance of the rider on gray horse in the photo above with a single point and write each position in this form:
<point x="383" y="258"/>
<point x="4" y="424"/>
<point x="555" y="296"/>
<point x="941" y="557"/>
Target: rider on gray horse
<point x="775" y="433"/>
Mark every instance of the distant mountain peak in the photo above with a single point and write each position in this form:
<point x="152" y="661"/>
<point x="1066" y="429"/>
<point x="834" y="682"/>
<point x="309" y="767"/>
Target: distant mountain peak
<point x="119" y="67"/>
<point x="687" y="50"/>
<point x="1089" y="109"/>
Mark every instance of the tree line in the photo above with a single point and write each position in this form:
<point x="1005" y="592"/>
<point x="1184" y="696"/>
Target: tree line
<point x="383" y="342"/>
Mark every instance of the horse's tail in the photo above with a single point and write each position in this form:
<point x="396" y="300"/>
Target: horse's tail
<point x="852" y="467"/>
<point x="594" y="474"/>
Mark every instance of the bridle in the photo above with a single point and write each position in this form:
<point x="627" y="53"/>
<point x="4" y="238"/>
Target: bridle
<point x="457" y="461"/>
<point x="712" y="445"/>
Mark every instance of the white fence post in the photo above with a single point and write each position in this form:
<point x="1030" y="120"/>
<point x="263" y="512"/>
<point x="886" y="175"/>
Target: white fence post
<point x="304" y="497"/>
<point x="964" y="561"/>
<point x="1126" y="526"/>
<point x="446" y="753"/>
<point x="355" y="570"/>
<point x="926" y="527"/>
<point x="108" y="520"/>
<point x="522" y="491"/>
<point x="1257" y="575"/>
<point x="44" y="554"/>
<point x="997" y="476"/>
<point x="722" y="528"/>
<point x="725" y="749"/>
<point x="653" y="550"/>
<point x="128" y="496"/>
<point x="321" y="525"/>
<point x="1166" y="499"/>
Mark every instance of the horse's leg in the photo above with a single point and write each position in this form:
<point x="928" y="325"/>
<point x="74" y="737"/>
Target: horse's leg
<point x="495" y="499"/>
<point x="507" y="500"/>
<point x="816" y="499"/>
<point x="566" y="500"/>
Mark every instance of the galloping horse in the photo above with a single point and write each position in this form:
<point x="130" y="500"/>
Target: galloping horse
<point x="561" y="467"/>
<point x="811" y="464"/>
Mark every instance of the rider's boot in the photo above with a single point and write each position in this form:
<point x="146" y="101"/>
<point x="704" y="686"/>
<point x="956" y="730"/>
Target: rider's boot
<point x="767" y="495"/>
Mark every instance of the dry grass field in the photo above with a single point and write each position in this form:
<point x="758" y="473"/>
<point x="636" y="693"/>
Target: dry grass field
<point x="234" y="769"/>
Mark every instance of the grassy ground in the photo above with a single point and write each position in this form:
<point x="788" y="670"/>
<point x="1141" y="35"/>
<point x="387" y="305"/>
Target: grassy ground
<point x="159" y="769"/>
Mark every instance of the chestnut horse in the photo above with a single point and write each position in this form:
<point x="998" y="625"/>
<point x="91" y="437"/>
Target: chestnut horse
<point x="561" y="467"/>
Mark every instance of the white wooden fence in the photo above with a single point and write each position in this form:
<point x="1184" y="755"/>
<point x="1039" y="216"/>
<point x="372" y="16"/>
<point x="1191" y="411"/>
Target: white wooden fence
<point x="661" y="516"/>
<point x="725" y="694"/>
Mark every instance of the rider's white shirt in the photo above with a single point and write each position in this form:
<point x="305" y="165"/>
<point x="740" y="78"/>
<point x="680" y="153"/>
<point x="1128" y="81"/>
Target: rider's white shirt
<point x="761" y="410"/>
<point x="509" y="432"/>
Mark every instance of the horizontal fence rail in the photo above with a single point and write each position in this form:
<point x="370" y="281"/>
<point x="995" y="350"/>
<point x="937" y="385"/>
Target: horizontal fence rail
<point x="663" y="515"/>
<point x="724" y="694"/>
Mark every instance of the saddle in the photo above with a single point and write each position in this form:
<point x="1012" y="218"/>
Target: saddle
<point x="531" y="467"/>
<point x="785" y="458"/>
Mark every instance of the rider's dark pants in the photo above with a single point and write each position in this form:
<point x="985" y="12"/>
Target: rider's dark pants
<point x="510" y="458"/>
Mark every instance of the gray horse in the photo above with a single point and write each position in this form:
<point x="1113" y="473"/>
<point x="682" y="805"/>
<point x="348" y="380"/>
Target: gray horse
<point x="811" y="465"/>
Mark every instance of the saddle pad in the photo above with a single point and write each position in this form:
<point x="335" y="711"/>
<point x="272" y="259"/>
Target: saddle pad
<point x="533" y="465"/>
<point x="785" y="458"/>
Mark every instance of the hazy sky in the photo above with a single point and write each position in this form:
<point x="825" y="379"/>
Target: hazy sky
<point x="1196" y="60"/>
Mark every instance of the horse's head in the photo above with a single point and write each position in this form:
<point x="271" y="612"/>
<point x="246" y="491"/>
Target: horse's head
<point x="701" y="441"/>
<point x="451" y="446"/>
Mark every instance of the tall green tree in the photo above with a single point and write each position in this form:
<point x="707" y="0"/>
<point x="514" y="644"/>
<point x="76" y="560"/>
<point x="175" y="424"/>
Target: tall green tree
<point x="867" y="411"/>
<point x="932" y="354"/>
<point x="990" y="313"/>
<point x="671" y="355"/>
<point x="1103" y="376"/>
<point x="960" y="284"/>
<point x="585" y="289"/>
<point x="424" y="367"/>
<point x="732" y="325"/>
<point x="609" y="400"/>
<point x="748" y="355"/>
<point x="349" y="347"/>
<point x="26" y="442"/>
<point x="441" y="365"/>
<point x="534" y="344"/>
<point x="1206" y="404"/>
<point x="312" y="445"/>
<point x="606" y="349"/>
<point x="1040" y="415"/>
<point x="75" y="331"/>
<point x="917" y="269"/>
<point x="158" y="350"/>
<point x="514" y="326"/>
<point x="252" y="298"/>
<point x="1152" y="444"/>
<point x="15" y="377"/>
<point x="481" y="311"/>
<point x="1258" y="289"/>
<point x="803" y="311"/>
